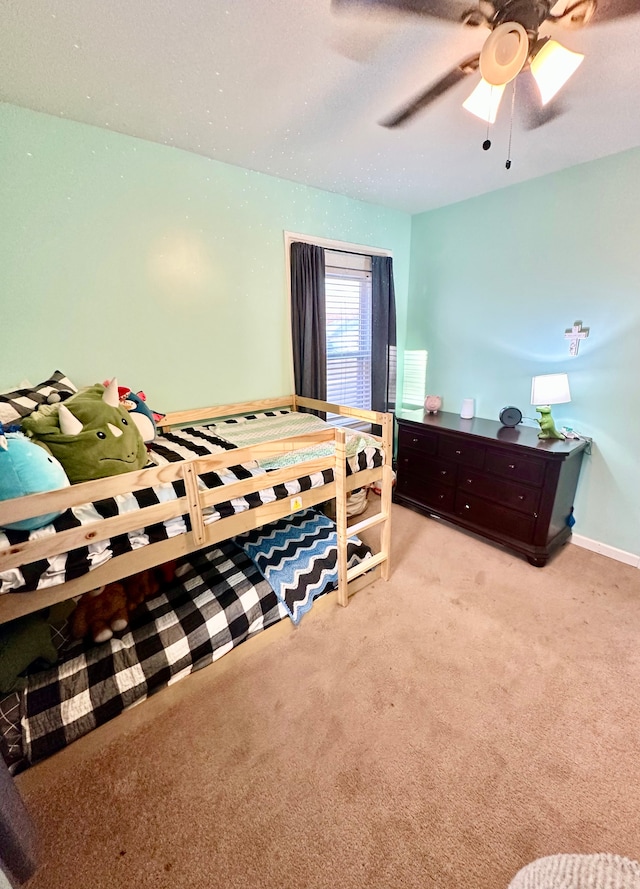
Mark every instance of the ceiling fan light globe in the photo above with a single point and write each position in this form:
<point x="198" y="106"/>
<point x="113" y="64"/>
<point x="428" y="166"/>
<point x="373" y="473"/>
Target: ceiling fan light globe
<point x="552" y="67"/>
<point x="504" y="53"/>
<point x="484" y="101"/>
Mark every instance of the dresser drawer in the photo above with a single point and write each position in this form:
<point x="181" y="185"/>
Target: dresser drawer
<point x="524" y="498"/>
<point x="521" y="469"/>
<point x="492" y="517"/>
<point x="417" y="465"/>
<point x="425" y="442"/>
<point x="427" y="493"/>
<point x="459" y="451"/>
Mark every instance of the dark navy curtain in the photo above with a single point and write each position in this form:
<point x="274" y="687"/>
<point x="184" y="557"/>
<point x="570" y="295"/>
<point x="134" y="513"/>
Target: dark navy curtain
<point x="383" y="336"/>
<point x="17" y="832"/>
<point x="308" y="320"/>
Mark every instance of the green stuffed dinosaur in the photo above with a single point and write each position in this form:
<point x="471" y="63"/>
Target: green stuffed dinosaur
<point x="91" y="434"/>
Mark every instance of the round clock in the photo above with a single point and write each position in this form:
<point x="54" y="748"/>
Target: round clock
<point x="510" y="416"/>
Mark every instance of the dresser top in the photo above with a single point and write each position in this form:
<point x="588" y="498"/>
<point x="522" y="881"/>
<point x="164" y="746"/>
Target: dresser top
<point x="491" y="430"/>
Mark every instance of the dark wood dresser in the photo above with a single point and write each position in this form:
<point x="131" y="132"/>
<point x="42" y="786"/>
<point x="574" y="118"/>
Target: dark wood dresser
<point x="502" y="483"/>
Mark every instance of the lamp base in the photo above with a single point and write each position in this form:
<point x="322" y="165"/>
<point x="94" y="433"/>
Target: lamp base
<point x="547" y="425"/>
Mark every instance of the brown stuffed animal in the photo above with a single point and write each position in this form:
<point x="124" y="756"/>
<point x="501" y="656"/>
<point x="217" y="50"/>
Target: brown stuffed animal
<point x="101" y="613"/>
<point x="106" y="611"/>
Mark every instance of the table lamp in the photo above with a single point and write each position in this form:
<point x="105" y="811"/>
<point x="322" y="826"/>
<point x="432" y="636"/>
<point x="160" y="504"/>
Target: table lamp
<point x="546" y="390"/>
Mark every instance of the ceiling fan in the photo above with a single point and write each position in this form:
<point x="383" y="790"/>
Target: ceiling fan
<point x="513" y="45"/>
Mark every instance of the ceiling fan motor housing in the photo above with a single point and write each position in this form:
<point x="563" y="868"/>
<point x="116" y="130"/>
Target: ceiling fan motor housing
<point x="514" y="32"/>
<point x="528" y="13"/>
<point x="504" y="53"/>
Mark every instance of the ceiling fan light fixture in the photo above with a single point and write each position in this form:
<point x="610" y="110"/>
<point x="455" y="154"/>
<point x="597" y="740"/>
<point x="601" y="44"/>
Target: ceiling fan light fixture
<point x="552" y="66"/>
<point x="484" y="101"/>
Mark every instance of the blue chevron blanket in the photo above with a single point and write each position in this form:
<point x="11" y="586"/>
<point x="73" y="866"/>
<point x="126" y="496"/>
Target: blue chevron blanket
<point x="298" y="557"/>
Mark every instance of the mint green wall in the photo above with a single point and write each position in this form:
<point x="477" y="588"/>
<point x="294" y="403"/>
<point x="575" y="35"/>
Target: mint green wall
<point x="494" y="283"/>
<point x="163" y="268"/>
<point x="119" y="256"/>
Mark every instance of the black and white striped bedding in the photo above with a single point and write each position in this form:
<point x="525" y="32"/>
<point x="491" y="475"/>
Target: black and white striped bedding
<point x="195" y="441"/>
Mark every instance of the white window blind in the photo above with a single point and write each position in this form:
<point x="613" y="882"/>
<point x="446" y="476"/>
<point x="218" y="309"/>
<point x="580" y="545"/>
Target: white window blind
<point x="414" y="387"/>
<point x="348" y="311"/>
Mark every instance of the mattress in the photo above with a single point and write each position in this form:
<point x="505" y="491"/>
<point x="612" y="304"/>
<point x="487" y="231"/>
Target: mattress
<point x="363" y="452"/>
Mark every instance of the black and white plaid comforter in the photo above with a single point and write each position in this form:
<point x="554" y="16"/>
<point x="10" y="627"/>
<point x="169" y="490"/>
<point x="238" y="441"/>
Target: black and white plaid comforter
<point x="218" y="600"/>
<point x="195" y="441"/>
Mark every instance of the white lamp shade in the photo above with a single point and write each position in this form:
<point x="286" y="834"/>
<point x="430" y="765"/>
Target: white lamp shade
<point x="552" y="67"/>
<point x="550" y="389"/>
<point x="484" y="101"/>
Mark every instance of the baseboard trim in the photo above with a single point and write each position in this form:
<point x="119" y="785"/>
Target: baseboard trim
<point x="604" y="549"/>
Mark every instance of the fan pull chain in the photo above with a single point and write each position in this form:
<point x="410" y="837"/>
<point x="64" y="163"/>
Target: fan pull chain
<point x="513" y="105"/>
<point x="487" y="142"/>
<point x="486" y="145"/>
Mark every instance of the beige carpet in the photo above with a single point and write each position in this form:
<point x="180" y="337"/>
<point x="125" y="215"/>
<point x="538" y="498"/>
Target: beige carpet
<point x="445" y="729"/>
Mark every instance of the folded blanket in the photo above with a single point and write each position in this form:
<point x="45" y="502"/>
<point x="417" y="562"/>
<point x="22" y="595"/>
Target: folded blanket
<point x="245" y="431"/>
<point x="298" y="556"/>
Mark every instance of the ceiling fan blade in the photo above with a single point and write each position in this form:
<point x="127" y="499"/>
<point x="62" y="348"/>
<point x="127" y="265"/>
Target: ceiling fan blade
<point x="433" y="92"/>
<point x="537" y="116"/>
<point x="532" y="114"/>
<point x="577" y="13"/>
<point x="609" y="10"/>
<point x="449" y="10"/>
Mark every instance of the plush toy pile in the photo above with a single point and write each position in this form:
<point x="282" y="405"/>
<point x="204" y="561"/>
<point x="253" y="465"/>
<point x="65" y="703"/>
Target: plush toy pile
<point x="107" y="610"/>
<point x="91" y="434"/>
<point x="139" y="411"/>
<point x="27" y="469"/>
<point x="28" y="641"/>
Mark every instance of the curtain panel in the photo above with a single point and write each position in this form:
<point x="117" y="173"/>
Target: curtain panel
<point x="309" y="333"/>
<point x="383" y="336"/>
<point x="308" y="320"/>
<point x="18" y="841"/>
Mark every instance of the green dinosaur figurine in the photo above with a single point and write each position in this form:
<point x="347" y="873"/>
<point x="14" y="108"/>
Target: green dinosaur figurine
<point x="547" y="426"/>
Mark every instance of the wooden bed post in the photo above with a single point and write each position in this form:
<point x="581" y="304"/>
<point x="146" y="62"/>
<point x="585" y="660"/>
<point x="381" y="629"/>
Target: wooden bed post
<point x="341" y="514"/>
<point x="387" y="487"/>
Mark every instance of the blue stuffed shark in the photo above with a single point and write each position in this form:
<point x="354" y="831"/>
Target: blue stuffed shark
<point x="27" y="469"/>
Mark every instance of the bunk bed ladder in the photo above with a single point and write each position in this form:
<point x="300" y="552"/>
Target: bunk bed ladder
<point x="350" y="580"/>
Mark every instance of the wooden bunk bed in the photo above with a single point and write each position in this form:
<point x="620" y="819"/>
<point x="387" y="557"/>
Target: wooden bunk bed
<point x="198" y="499"/>
<point x="193" y="547"/>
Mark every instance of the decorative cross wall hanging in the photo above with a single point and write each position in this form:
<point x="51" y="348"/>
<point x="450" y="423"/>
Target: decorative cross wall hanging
<point x="574" y="335"/>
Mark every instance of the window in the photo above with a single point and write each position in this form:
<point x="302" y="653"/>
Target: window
<point x="348" y="314"/>
<point x="342" y="296"/>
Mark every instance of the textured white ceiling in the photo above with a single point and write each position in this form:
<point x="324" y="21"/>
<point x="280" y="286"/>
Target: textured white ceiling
<point x="290" y="88"/>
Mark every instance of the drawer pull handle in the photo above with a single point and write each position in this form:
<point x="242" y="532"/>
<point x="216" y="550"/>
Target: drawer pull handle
<point x="469" y="481"/>
<point x="440" y="496"/>
<point x="520" y="496"/>
<point x="443" y="472"/>
<point x="458" y="453"/>
<point x="512" y="465"/>
<point x="414" y="440"/>
<point x="466" y="506"/>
